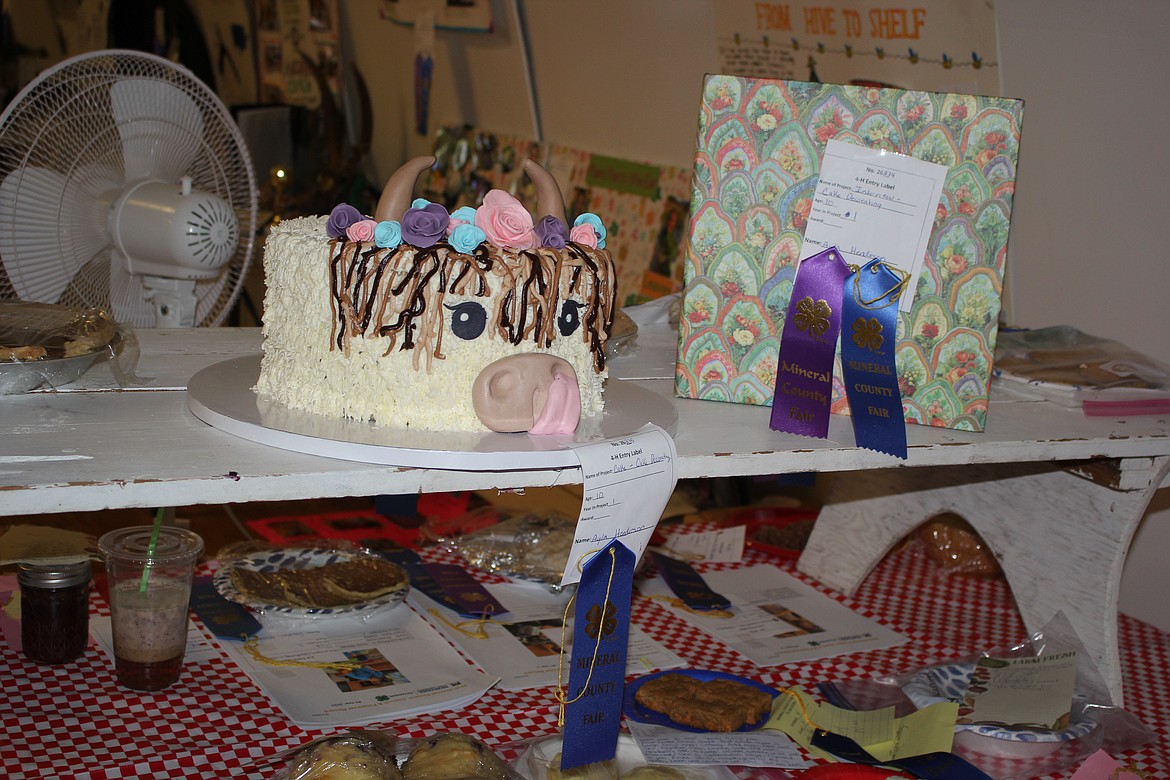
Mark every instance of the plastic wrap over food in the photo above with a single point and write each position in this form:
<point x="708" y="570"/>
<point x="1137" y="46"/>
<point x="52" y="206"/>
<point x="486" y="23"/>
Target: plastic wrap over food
<point x="532" y="547"/>
<point x="951" y="543"/>
<point x="1003" y="751"/>
<point x="542" y="761"/>
<point x="46" y="345"/>
<point x="361" y="754"/>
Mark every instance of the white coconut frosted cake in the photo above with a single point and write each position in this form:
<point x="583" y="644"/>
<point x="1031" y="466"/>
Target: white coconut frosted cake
<point x="478" y="319"/>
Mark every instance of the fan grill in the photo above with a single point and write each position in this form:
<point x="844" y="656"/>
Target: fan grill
<point x="99" y="122"/>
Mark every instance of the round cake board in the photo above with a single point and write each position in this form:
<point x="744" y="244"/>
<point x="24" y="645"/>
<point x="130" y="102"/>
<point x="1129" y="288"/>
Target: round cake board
<point x="221" y="395"/>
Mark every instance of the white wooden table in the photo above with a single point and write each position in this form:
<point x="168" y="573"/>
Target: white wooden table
<point x="1056" y="495"/>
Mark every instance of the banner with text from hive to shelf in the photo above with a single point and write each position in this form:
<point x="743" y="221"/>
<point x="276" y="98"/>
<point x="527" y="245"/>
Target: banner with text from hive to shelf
<point x="935" y="45"/>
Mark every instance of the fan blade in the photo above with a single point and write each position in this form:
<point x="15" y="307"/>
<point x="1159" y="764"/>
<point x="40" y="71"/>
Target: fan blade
<point x="161" y="128"/>
<point x="128" y="296"/>
<point x="51" y="226"/>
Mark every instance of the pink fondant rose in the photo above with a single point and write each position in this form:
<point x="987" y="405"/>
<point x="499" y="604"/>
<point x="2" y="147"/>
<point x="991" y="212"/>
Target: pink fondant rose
<point x="362" y="230"/>
<point x="505" y="221"/>
<point x="584" y="234"/>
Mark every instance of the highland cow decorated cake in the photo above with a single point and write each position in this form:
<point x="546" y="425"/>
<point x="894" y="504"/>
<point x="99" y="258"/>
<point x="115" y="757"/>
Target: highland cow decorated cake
<point x="481" y="319"/>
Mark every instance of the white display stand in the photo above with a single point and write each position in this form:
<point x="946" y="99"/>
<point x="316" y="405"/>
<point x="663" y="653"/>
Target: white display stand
<point x="222" y="396"/>
<point x="1056" y="495"/>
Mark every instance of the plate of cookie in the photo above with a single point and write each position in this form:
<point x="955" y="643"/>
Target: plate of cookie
<point x="313" y="582"/>
<point x="699" y="700"/>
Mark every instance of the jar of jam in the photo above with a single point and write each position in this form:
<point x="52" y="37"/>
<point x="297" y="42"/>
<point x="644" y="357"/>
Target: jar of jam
<point x="54" y="610"/>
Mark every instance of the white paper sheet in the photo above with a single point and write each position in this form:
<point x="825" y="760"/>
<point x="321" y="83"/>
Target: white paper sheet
<point x="523" y="647"/>
<point x="420" y="671"/>
<point x="626" y="483"/>
<point x="664" y="745"/>
<point x="777" y="619"/>
<point x="874" y="203"/>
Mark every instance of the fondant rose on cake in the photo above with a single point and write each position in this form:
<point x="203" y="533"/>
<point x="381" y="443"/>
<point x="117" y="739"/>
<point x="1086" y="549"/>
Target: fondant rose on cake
<point x="487" y="317"/>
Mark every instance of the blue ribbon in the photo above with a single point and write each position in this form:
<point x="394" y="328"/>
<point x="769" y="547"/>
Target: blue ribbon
<point x="868" y="339"/>
<point x="689" y="585"/>
<point x="928" y="766"/>
<point x="601" y="625"/>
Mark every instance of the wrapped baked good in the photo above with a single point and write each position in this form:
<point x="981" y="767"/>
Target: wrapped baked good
<point x="44" y="344"/>
<point x="455" y="757"/>
<point x="654" y="772"/>
<point x="534" y="547"/>
<point x="355" y="755"/>
<point x="598" y="770"/>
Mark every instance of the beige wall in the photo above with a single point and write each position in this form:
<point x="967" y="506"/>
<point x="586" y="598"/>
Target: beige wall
<point x="1088" y="243"/>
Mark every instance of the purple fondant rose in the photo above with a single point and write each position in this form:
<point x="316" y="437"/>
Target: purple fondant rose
<point x="342" y="216"/>
<point x="552" y="232"/>
<point x="423" y="227"/>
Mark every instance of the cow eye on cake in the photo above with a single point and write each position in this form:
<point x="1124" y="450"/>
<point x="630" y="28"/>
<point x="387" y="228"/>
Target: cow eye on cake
<point x="485" y="318"/>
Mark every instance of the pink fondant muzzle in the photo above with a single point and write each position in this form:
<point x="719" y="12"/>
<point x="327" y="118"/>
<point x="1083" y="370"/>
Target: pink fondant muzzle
<point x="532" y="392"/>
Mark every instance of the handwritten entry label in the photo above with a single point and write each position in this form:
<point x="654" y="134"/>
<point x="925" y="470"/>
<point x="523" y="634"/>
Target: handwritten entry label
<point x="872" y="203"/>
<point x="627" y="483"/>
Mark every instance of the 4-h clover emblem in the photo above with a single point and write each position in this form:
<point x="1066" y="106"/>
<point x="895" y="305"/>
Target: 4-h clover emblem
<point x="812" y="316"/>
<point x="600" y="621"/>
<point x="867" y="334"/>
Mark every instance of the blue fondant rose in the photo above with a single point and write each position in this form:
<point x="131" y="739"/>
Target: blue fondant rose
<point x="342" y="216"/>
<point x="388" y="234"/>
<point x="463" y="214"/>
<point x="466" y="237"/>
<point x="423" y="227"/>
<point x="552" y="232"/>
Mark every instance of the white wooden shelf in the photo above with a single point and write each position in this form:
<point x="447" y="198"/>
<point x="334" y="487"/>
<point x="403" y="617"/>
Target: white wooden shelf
<point x="1056" y="494"/>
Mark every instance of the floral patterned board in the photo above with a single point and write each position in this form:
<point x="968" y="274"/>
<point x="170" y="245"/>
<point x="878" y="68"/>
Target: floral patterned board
<point x="756" y="167"/>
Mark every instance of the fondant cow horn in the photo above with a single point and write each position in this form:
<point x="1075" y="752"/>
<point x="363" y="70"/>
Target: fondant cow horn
<point x="548" y="193"/>
<point x="396" y="195"/>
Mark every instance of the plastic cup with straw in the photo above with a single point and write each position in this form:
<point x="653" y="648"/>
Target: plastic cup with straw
<point x="151" y="549"/>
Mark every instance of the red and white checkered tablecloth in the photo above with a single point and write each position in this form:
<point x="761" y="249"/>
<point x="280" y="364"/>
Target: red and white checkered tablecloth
<point x="76" y="722"/>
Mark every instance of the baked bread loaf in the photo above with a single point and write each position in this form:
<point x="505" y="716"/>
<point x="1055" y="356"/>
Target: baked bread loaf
<point x="712" y="705"/>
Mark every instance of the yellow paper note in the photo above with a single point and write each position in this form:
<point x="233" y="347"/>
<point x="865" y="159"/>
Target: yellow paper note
<point x="929" y="730"/>
<point x="885" y="737"/>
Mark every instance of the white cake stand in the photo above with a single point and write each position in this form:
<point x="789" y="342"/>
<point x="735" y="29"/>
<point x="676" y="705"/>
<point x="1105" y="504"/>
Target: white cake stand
<point x="222" y="396"/>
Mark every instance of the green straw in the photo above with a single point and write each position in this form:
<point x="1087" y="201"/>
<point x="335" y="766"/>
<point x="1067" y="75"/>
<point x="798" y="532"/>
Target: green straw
<point x="158" y="517"/>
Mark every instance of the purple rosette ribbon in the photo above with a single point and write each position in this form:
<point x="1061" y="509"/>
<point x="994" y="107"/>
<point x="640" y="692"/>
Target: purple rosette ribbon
<point x="342" y="216"/>
<point x="424" y="227"/>
<point x="551" y="232"/>
<point x="808" y="343"/>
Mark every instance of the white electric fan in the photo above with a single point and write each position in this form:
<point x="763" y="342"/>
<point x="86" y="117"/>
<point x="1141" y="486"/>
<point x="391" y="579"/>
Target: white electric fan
<point x="126" y="185"/>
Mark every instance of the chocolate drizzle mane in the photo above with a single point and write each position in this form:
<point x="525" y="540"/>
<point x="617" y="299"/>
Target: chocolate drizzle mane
<point x="403" y="296"/>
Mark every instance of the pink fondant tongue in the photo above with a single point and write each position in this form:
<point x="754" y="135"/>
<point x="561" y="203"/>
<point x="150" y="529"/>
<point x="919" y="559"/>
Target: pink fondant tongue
<point x="562" y="410"/>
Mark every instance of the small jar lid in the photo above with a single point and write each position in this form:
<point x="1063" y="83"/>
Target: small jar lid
<point x="54" y="575"/>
